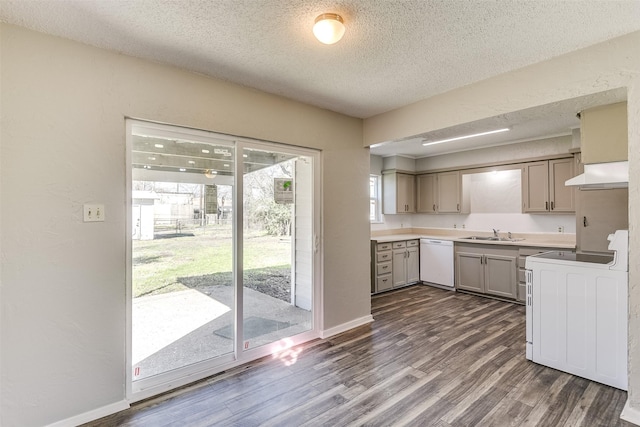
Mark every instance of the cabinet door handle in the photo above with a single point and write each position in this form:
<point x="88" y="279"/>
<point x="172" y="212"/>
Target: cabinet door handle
<point x="552" y="205"/>
<point x="584" y="221"/>
<point x="434" y="207"/>
<point x="458" y="207"/>
<point x="546" y="206"/>
<point x="481" y="259"/>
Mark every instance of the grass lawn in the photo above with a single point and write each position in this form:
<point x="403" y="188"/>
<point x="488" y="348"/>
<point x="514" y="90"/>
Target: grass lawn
<point x="160" y="265"/>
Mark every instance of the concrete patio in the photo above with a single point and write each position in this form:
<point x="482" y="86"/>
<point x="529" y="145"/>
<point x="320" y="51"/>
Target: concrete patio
<point x="177" y="329"/>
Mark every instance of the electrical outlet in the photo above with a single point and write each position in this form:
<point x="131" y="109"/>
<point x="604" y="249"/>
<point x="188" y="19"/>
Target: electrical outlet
<point x="93" y="213"/>
<point x="560" y="229"/>
<point x="455" y="226"/>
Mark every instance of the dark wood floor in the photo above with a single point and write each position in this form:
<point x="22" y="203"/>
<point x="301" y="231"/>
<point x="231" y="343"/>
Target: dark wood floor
<point x="431" y="358"/>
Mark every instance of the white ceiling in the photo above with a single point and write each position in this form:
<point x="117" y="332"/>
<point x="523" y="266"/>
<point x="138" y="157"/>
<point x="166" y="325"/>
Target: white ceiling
<point x="394" y="52"/>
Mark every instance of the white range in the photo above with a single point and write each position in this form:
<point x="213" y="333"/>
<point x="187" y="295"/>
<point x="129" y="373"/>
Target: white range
<point x="577" y="312"/>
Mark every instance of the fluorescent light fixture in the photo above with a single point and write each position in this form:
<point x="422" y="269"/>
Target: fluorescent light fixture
<point x="466" y="136"/>
<point x="191" y="162"/>
<point x="379" y="144"/>
<point x="205" y="151"/>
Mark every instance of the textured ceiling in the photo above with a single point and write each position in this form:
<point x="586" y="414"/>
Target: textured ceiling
<point x="394" y="52"/>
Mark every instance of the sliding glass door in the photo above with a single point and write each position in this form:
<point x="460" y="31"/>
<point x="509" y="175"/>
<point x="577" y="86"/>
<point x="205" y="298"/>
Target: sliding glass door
<point x="277" y="245"/>
<point x="222" y="256"/>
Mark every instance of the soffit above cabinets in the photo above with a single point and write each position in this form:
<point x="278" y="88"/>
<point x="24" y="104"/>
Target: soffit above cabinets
<point x="545" y="121"/>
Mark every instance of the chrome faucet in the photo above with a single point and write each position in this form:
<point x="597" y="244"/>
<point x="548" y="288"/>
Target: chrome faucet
<point x="495" y="232"/>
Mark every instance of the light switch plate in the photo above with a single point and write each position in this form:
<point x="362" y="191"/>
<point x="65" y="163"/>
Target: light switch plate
<point x="93" y="213"/>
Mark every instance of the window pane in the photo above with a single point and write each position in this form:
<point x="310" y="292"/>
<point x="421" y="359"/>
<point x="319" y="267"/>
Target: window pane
<point x="373" y="186"/>
<point x="372" y="210"/>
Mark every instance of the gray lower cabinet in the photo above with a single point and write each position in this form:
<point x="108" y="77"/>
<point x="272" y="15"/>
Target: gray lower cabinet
<point x="523" y="253"/>
<point x="394" y="264"/>
<point x="487" y="269"/>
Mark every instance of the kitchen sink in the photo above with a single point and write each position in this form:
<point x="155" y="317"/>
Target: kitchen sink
<point x="480" y="238"/>
<point x="492" y="238"/>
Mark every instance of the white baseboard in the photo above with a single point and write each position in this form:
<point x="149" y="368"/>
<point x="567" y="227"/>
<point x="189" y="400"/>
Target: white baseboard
<point x="346" y="326"/>
<point x="92" y="415"/>
<point x="630" y="414"/>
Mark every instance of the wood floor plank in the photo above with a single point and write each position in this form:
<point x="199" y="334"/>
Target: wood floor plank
<point x="431" y="357"/>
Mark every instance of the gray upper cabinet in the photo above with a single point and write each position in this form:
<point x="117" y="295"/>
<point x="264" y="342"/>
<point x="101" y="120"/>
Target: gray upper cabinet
<point x="600" y="213"/>
<point x="398" y="193"/>
<point x="543" y="188"/>
<point x="449" y="192"/>
<point x="604" y="133"/>
<point x="561" y="197"/>
<point x="439" y="192"/>
<point x="426" y="193"/>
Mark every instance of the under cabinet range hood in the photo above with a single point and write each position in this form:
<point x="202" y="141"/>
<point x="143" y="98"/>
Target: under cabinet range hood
<point x="602" y="176"/>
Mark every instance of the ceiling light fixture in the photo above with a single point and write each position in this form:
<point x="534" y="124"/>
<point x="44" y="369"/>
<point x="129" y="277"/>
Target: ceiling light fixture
<point x="329" y="28"/>
<point x="466" y="136"/>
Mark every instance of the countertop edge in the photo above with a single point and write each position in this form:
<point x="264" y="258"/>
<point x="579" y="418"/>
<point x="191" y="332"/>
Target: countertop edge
<point x="518" y="243"/>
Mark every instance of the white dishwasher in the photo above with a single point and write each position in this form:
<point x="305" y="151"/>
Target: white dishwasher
<point x="436" y="262"/>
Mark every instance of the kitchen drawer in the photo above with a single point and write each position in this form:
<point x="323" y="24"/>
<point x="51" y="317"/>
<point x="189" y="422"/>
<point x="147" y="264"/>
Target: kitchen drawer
<point x="384" y="246"/>
<point x="384" y="268"/>
<point x="524" y="252"/>
<point x="384" y="282"/>
<point x="412" y="243"/>
<point x="383" y="256"/>
<point x="399" y="245"/>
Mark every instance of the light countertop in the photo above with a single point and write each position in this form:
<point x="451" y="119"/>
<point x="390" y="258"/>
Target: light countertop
<point x="545" y="240"/>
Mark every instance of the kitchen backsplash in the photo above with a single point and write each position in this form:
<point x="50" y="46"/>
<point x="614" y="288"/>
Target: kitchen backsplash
<point x="517" y="223"/>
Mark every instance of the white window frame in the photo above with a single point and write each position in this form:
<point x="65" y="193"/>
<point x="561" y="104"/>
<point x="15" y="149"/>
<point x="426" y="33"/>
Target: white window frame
<point x="376" y="198"/>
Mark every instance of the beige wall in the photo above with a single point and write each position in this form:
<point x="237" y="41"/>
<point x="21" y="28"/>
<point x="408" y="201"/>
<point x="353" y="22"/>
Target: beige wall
<point x="609" y="65"/>
<point x="62" y="297"/>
